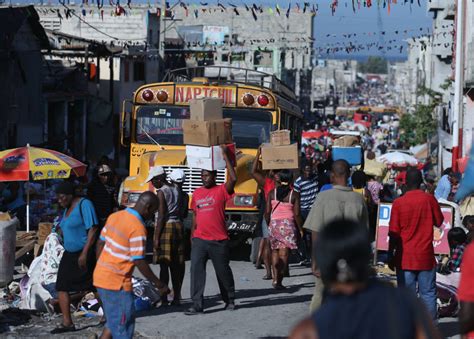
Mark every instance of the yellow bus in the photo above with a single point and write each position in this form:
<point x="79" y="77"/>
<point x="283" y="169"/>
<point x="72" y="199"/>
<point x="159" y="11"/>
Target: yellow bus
<point x="152" y="126"/>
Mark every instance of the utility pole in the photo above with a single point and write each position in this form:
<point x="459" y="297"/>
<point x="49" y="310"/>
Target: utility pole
<point x="458" y="85"/>
<point x="162" y="30"/>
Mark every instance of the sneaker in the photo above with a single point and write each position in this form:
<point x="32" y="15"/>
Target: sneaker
<point x="193" y="311"/>
<point x="230" y="307"/>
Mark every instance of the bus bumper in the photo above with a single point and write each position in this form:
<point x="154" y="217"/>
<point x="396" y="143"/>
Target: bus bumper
<point x="242" y="223"/>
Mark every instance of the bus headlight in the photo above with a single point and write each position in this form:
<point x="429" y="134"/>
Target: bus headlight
<point x="243" y="200"/>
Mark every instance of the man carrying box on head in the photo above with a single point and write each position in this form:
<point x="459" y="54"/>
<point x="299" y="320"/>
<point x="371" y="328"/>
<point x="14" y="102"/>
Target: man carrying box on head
<point x="210" y="239"/>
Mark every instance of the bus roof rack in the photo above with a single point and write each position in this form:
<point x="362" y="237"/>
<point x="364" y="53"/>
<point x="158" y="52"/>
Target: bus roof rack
<point x="231" y="75"/>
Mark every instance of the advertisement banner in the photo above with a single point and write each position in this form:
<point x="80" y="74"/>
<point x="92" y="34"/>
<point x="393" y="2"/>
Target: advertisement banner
<point x="440" y="241"/>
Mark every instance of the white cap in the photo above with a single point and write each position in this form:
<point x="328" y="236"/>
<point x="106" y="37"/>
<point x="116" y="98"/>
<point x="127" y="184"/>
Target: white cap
<point x="177" y="175"/>
<point x="103" y="169"/>
<point x="154" y="172"/>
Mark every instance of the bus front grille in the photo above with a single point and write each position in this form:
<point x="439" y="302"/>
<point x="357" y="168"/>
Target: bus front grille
<point x="193" y="177"/>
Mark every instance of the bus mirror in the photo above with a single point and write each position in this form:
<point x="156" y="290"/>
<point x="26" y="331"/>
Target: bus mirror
<point x="126" y="123"/>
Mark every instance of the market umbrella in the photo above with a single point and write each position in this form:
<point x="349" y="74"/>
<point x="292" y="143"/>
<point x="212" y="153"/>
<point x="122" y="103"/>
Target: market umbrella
<point x="312" y="134"/>
<point x="398" y="159"/>
<point x="17" y="164"/>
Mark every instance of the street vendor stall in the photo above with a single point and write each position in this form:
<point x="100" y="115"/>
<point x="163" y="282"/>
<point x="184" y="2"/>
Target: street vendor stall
<point x="21" y="164"/>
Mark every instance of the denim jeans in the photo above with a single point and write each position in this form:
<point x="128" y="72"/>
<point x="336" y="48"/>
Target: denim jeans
<point x="426" y="287"/>
<point x="119" y="310"/>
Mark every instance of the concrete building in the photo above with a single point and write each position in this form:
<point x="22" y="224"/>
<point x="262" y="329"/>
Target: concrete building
<point x="248" y="38"/>
<point x="467" y="125"/>
<point x="117" y="48"/>
<point x="331" y="81"/>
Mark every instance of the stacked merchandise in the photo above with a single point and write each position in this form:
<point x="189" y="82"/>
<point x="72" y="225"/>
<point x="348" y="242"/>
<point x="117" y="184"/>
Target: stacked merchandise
<point x="280" y="153"/>
<point x="205" y="132"/>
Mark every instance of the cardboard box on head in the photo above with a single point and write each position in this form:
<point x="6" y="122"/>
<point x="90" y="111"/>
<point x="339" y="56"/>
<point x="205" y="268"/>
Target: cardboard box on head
<point x="206" y="109"/>
<point x="209" y="158"/>
<point x="207" y="133"/>
<point x="280" y="157"/>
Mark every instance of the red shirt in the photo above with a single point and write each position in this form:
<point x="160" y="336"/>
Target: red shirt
<point x="411" y="222"/>
<point x="268" y="186"/>
<point x="208" y="205"/>
<point x="465" y="290"/>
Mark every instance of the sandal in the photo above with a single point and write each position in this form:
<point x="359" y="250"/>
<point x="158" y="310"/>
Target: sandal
<point x="267" y="277"/>
<point x="63" y="329"/>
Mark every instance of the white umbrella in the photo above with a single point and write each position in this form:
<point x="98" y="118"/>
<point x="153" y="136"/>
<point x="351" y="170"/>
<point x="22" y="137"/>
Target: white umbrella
<point x="398" y="159"/>
<point x="359" y="127"/>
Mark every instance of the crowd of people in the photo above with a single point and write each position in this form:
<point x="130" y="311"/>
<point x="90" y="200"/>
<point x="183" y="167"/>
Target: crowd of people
<point x="325" y="215"/>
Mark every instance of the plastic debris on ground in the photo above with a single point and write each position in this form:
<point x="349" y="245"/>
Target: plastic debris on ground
<point x="146" y="294"/>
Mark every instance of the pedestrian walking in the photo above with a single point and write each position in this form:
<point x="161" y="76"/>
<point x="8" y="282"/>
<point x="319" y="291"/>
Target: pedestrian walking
<point x="356" y="305"/>
<point x="444" y="184"/>
<point x="284" y="222"/>
<point x="307" y="186"/>
<point x="466" y="293"/>
<point x="101" y="191"/>
<point x="266" y="182"/>
<point x="210" y="239"/>
<point x="79" y="226"/>
<point x="178" y="177"/>
<point x="168" y="239"/>
<point x="122" y="248"/>
<point x="411" y="240"/>
<point x="340" y="202"/>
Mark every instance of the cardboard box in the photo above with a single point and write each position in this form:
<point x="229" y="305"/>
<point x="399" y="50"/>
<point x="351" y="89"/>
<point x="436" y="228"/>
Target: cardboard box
<point x="280" y="138"/>
<point x="346" y="141"/>
<point x="206" y="109"/>
<point x="280" y="157"/>
<point x="209" y="158"/>
<point x="207" y="133"/>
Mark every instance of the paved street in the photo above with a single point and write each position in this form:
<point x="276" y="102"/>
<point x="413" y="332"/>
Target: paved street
<point x="262" y="311"/>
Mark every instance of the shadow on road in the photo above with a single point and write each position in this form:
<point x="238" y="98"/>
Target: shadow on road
<point x="243" y="300"/>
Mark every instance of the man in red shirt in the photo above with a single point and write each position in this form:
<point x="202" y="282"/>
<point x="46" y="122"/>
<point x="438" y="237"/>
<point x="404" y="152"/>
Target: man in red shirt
<point x="466" y="293"/>
<point x="411" y="239"/>
<point x="210" y="239"/>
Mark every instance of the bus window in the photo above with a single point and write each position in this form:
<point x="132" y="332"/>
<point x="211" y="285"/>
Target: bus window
<point x="163" y="125"/>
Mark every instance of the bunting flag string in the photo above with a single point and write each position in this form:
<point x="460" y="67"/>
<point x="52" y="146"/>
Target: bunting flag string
<point x="294" y="8"/>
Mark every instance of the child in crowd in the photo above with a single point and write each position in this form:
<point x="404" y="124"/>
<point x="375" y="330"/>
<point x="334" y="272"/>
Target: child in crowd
<point x="457" y="242"/>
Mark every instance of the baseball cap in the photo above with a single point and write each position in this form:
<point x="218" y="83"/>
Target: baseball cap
<point x="103" y="169"/>
<point x="154" y="172"/>
<point x="177" y="175"/>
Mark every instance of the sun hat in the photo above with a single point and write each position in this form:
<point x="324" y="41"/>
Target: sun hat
<point x="177" y="175"/>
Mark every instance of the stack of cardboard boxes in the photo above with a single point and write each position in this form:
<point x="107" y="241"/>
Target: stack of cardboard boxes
<point x="205" y="132"/>
<point x="280" y="153"/>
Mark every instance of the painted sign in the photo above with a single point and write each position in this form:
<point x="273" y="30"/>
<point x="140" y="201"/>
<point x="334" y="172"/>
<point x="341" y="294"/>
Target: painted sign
<point x="440" y="241"/>
<point x="183" y="94"/>
<point x="214" y="35"/>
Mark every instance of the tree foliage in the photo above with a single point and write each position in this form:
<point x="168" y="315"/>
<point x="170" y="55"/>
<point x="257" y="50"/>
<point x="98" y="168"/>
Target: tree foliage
<point x="374" y="64"/>
<point x="421" y="124"/>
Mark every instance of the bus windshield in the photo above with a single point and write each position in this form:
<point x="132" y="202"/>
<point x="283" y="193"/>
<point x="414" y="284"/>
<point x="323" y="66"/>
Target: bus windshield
<point x="163" y="125"/>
